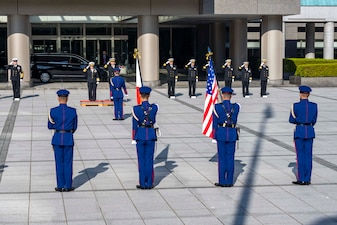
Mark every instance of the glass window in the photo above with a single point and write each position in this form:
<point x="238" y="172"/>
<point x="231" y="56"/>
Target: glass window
<point x="71" y="31"/>
<point x="98" y="30"/>
<point x="121" y="30"/>
<point x="44" y="31"/>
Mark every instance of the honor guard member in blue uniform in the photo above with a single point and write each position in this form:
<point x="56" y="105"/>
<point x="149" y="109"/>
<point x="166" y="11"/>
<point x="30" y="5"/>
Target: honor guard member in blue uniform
<point x="92" y="77"/>
<point x="192" y="77"/>
<point x="264" y="77"/>
<point x="118" y="83"/>
<point x="304" y="115"/>
<point x="228" y="73"/>
<point x="246" y="78"/>
<point x="144" y="135"/>
<point x="172" y="77"/>
<point x="225" y="117"/>
<point x="111" y="66"/>
<point x="63" y="119"/>
<point x="16" y="77"/>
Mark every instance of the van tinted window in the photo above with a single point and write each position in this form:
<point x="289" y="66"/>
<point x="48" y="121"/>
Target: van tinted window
<point x="52" y="59"/>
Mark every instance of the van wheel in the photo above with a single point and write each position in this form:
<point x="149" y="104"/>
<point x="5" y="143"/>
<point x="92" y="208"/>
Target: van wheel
<point x="45" y="77"/>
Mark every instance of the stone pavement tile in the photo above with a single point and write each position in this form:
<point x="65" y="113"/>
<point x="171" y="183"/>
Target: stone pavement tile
<point x="47" y="218"/>
<point x="314" y="218"/>
<point x="274" y="219"/>
<point x="13" y="219"/>
<point x="200" y="220"/>
<point x="87" y="222"/>
<point x="125" y="222"/>
<point x="163" y="221"/>
<point x="140" y="199"/>
<point x="121" y="215"/>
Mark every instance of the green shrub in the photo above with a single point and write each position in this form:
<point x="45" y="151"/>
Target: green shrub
<point x="317" y="70"/>
<point x="316" y="67"/>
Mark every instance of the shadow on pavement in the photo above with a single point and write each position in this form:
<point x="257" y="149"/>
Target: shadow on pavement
<point x="245" y="199"/>
<point x="88" y="174"/>
<point x="163" y="171"/>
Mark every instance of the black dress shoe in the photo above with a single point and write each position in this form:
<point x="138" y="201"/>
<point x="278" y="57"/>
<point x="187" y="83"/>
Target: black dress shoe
<point x="68" y="189"/>
<point x="219" y="185"/>
<point x="228" y="185"/>
<point x="149" y="187"/>
<point x="121" y="119"/>
<point x="115" y="119"/>
<point x="299" y="182"/>
<point x="140" y="187"/>
<point x="58" y="189"/>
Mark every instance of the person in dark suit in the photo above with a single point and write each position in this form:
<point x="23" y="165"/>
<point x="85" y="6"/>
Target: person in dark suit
<point x="192" y="77"/>
<point x="264" y="77"/>
<point x="63" y="120"/>
<point x="144" y="136"/>
<point x="304" y="115"/>
<point x="16" y="76"/>
<point x="246" y="78"/>
<point x="118" y="85"/>
<point x="225" y="116"/>
<point x="92" y="77"/>
<point x="228" y="73"/>
<point x="104" y="58"/>
<point x="172" y="77"/>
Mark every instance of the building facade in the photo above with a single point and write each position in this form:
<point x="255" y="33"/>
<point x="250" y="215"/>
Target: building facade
<point x="242" y="30"/>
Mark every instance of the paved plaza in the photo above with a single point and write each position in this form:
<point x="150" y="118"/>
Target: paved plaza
<point x="105" y="163"/>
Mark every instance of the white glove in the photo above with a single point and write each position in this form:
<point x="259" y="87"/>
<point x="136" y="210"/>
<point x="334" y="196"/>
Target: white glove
<point x="126" y="95"/>
<point x="250" y="80"/>
<point x="232" y="80"/>
<point x="11" y="63"/>
<point x="176" y="80"/>
<point x="214" y="141"/>
<point x="268" y="80"/>
<point x="133" y="142"/>
<point x="97" y="82"/>
<point x="196" y="80"/>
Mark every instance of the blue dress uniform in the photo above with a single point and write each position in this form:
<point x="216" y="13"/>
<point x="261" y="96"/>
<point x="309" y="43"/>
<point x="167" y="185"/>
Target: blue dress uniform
<point x="143" y="132"/>
<point x="63" y="119"/>
<point x="118" y="84"/>
<point x="225" y="116"/>
<point x="304" y="115"/>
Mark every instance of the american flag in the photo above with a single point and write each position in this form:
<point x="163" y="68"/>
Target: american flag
<point x="139" y="82"/>
<point x="210" y="100"/>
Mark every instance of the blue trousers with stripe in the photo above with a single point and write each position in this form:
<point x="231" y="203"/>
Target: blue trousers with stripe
<point x="118" y="107"/>
<point x="304" y="158"/>
<point x="226" y="150"/>
<point x="145" y="152"/>
<point x="64" y="165"/>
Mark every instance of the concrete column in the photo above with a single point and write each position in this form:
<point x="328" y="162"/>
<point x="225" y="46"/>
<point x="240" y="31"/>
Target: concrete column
<point x="272" y="46"/>
<point x="328" y="50"/>
<point x="148" y="46"/>
<point x="218" y="44"/>
<point x="238" y="43"/>
<point x="18" y="41"/>
<point x="310" y="41"/>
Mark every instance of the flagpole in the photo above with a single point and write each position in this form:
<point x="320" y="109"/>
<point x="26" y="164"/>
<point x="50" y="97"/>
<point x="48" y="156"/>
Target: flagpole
<point x="139" y="82"/>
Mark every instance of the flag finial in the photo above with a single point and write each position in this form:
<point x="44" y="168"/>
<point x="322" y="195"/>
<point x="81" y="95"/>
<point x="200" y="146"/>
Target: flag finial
<point x="209" y="54"/>
<point x="136" y="54"/>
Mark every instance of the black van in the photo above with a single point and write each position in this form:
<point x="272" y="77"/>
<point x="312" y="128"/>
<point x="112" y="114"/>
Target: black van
<point x="47" y="66"/>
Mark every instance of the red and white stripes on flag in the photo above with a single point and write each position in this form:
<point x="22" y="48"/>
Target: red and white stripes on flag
<point x="210" y="100"/>
<point x="139" y="82"/>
